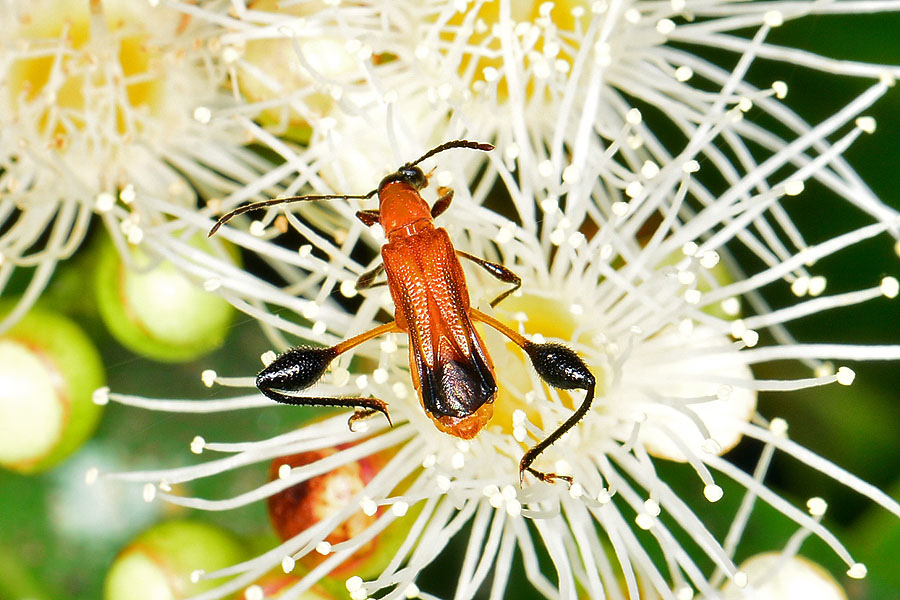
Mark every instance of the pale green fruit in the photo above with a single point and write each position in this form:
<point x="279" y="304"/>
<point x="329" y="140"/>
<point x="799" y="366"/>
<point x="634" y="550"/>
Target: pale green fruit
<point x="158" y="564"/>
<point x="49" y="370"/>
<point x="156" y="310"/>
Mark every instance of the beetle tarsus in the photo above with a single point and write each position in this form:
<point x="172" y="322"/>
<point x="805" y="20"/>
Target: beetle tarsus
<point x="545" y="477"/>
<point x="360" y="414"/>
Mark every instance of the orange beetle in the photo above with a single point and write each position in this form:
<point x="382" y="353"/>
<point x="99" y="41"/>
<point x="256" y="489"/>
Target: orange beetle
<point x="451" y="369"/>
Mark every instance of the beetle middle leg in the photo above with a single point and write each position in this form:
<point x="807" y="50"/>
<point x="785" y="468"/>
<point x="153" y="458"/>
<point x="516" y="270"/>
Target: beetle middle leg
<point x="498" y="271"/>
<point x="300" y="368"/>
<point x="367" y="279"/>
<point x="559" y="366"/>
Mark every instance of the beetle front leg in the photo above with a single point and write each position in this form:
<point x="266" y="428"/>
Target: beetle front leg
<point x="442" y="203"/>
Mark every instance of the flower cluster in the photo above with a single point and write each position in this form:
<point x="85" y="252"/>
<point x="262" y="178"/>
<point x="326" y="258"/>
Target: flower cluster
<point x="106" y="110"/>
<point x="651" y="255"/>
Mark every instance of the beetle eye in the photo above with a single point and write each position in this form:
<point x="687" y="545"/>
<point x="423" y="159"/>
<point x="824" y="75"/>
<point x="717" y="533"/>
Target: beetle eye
<point x="414" y="176"/>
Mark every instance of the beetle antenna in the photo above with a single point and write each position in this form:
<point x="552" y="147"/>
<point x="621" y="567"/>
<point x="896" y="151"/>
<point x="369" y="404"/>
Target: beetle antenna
<point x="276" y="201"/>
<point x="453" y="144"/>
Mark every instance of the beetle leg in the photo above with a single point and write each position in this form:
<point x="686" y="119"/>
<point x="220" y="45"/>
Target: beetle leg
<point x="559" y="366"/>
<point x="367" y="279"/>
<point x="443" y="203"/>
<point x="365" y="407"/>
<point x="300" y="368"/>
<point x="498" y="271"/>
<point x="364" y="413"/>
<point x="368" y="217"/>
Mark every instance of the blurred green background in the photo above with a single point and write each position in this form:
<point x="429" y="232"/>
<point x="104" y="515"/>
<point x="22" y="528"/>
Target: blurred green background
<point x="57" y="538"/>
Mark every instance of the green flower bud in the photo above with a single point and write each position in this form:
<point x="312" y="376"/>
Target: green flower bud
<point x="48" y="371"/>
<point x="157" y="311"/>
<point x="165" y="562"/>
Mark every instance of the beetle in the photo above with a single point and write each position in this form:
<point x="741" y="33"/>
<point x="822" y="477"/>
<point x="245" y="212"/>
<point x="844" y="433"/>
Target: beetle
<point x="449" y="364"/>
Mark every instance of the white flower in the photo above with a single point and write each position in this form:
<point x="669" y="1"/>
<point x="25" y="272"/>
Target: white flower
<point x="648" y="292"/>
<point x="785" y="578"/>
<point x="627" y="253"/>
<point x="106" y="109"/>
<point x="578" y="76"/>
<point x="340" y="72"/>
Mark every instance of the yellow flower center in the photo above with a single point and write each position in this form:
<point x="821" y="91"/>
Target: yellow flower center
<point x="532" y="315"/>
<point x="271" y="70"/>
<point x="546" y="30"/>
<point x="69" y="53"/>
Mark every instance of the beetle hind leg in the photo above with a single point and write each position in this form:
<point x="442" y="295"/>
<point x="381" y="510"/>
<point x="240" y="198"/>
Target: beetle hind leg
<point x="301" y="367"/>
<point x="561" y="367"/>
<point x="362" y="413"/>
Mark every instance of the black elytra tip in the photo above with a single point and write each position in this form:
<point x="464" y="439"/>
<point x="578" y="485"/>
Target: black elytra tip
<point x="296" y="369"/>
<point x="560" y="366"/>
